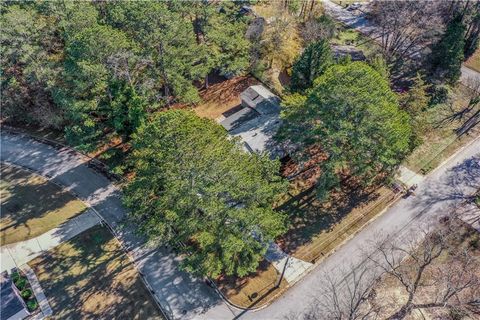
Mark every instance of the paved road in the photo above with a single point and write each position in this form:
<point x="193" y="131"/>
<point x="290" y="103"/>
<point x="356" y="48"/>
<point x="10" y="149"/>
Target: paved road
<point x="181" y="295"/>
<point x="442" y="190"/>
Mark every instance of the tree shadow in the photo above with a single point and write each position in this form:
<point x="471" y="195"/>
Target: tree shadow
<point x="30" y="204"/>
<point x="90" y="277"/>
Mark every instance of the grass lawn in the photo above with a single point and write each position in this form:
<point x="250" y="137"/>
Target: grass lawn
<point x="222" y="96"/>
<point x="316" y="231"/>
<point x="31" y="205"/>
<point x="474" y="61"/>
<point x="90" y="277"/>
<point x="440" y="140"/>
<point x="254" y="290"/>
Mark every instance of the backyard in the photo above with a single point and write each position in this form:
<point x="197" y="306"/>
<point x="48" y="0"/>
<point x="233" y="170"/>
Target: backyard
<point x="90" y="276"/>
<point x="31" y="205"/>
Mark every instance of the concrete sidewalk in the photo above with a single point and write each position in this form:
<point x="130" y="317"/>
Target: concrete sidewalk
<point x="17" y="254"/>
<point x="292" y="268"/>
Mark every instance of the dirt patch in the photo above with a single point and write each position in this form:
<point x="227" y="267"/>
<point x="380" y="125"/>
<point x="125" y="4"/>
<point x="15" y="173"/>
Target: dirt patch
<point x="222" y="96"/>
<point x="254" y="290"/>
<point x="90" y="277"/>
<point x="31" y="205"/>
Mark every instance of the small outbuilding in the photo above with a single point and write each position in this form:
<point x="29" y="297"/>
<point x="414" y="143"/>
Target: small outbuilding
<point x="257" y="121"/>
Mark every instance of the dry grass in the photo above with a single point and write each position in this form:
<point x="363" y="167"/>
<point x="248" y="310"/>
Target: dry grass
<point x="222" y="96"/>
<point x="90" y="277"/>
<point x="440" y="139"/>
<point x="474" y="61"/>
<point x="31" y="205"/>
<point x="254" y="290"/>
<point x="319" y="231"/>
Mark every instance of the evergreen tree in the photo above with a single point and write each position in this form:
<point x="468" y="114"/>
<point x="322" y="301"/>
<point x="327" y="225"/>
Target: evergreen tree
<point x="313" y="62"/>
<point x="416" y="99"/>
<point x="194" y="185"/>
<point x="354" y="118"/>
<point x="448" y="53"/>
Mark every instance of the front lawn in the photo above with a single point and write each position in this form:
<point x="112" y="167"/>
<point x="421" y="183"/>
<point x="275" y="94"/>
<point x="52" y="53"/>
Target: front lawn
<point x="31" y="205"/>
<point x="441" y="139"/>
<point x="90" y="277"/>
<point x="474" y="61"/>
<point x="254" y="290"/>
<point x="317" y="230"/>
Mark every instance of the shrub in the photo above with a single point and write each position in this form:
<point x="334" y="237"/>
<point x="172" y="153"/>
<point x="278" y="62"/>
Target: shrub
<point x="21" y="283"/>
<point x="15" y="276"/>
<point x="440" y="94"/>
<point x="32" y="304"/>
<point x="26" y="294"/>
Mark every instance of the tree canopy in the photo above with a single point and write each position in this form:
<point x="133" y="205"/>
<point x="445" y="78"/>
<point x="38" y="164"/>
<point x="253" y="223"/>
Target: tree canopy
<point x="97" y="69"/>
<point x="196" y="186"/>
<point x="316" y="58"/>
<point x="448" y="54"/>
<point x="354" y="118"/>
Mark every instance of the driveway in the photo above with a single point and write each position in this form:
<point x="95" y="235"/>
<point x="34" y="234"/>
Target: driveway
<point x="443" y="189"/>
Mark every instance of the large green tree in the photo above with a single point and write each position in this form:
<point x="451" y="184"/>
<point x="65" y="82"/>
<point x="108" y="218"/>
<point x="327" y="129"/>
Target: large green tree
<point x="353" y="117"/>
<point x="316" y="58"/>
<point x="99" y="98"/>
<point x="448" y="53"/>
<point x="30" y="58"/>
<point x="195" y="186"/>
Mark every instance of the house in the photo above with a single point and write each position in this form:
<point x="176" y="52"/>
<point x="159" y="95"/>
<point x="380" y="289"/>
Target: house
<point x="12" y="305"/>
<point x="256" y="121"/>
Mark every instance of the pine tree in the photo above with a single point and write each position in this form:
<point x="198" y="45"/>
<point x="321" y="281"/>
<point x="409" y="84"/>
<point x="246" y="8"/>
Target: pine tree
<point x="416" y="99"/>
<point x="313" y="62"/>
<point x="352" y="115"/>
<point x="194" y="185"/>
<point x="448" y="53"/>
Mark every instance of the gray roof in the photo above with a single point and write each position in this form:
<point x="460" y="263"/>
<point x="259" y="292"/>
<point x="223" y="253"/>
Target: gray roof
<point x="257" y="122"/>
<point x="261" y="99"/>
<point x="12" y="305"/>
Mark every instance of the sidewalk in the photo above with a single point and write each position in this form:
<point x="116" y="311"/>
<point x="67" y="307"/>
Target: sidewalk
<point x="18" y="254"/>
<point x="292" y="268"/>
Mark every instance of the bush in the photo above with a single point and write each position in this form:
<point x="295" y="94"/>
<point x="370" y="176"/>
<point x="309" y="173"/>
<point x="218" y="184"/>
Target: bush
<point x="21" y="283"/>
<point x="26" y="294"/>
<point x="15" y="276"/>
<point x="440" y="94"/>
<point x="32" y="304"/>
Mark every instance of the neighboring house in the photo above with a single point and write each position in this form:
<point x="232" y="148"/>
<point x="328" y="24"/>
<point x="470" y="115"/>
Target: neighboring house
<point x="257" y="121"/>
<point x="12" y="305"/>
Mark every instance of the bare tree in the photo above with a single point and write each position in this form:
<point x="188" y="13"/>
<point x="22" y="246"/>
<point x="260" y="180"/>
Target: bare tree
<point x="453" y="283"/>
<point x="405" y="28"/>
<point x="349" y="296"/>
<point x="435" y="274"/>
